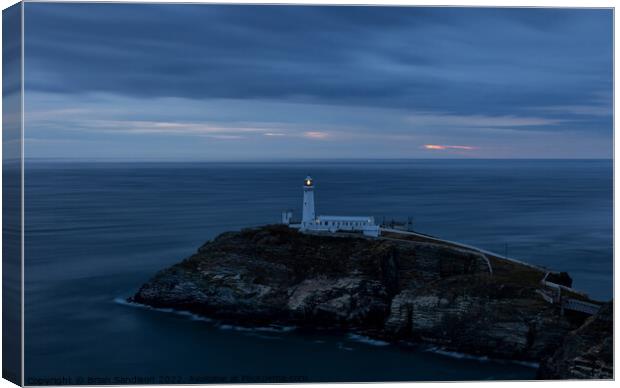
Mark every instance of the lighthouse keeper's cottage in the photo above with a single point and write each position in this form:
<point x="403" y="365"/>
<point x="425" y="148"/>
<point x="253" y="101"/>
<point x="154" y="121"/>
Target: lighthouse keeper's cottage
<point x="310" y="222"/>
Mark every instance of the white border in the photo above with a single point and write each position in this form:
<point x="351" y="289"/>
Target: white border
<point x="470" y="3"/>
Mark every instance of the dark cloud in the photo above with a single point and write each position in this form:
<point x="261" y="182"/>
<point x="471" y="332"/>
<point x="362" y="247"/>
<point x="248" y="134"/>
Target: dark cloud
<point x="460" y="60"/>
<point x="11" y="46"/>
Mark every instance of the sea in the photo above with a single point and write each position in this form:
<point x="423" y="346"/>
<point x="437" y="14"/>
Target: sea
<point x="95" y="231"/>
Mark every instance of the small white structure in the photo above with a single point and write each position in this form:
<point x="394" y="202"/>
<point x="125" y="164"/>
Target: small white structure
<point x="287" y="217"/>
<point x="331" y="224"/>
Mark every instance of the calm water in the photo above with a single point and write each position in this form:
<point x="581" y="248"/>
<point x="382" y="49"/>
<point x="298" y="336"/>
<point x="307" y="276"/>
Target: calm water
<point x="96" y="231"/>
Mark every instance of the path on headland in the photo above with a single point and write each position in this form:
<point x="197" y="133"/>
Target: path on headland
<point x="452" y="245"/>
<point x="466" y="246"/>
<point x="550" y="292"/>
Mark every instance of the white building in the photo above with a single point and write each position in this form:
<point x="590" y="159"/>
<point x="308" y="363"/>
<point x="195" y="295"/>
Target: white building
<point x="312" y="223"/>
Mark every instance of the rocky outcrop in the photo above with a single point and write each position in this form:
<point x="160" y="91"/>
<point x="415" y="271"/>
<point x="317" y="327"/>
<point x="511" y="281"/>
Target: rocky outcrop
<point x="586" y="353"/>
<point x="388" y="288"/>
<point x="474" y="314"/>
<point x="349" y="301"/>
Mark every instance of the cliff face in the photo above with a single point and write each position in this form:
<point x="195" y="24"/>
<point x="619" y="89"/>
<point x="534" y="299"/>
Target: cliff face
<point x="586" y="353"/>
<point x="396" y="290"/>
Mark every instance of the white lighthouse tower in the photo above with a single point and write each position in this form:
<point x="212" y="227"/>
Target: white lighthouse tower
<point x="308" y="217"/>
<point x="311" y="223"/>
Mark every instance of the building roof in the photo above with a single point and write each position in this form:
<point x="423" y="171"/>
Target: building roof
<point x="344" y="218"/>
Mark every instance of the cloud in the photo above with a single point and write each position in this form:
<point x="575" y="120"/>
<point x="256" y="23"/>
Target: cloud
<point x="136" y="126"/>
<point x="173" y="126"/>
<point x="368" y="81"/>
<point x="448" y="147"/>
<point x="316" y="135"/>
<point x="212" y="130"/>
<point x="586" y="110"/>
<point x="209" y="130"/>
<point x="425" y="119"/>
<point x="226" y="137"/>
<point x="405" y="57"/>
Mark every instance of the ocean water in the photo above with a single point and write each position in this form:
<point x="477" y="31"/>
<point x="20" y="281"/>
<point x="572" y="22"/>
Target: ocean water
<point x="96" y="231"/>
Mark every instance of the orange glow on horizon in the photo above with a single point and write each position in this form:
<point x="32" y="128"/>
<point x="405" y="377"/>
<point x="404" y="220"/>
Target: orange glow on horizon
<point x="448" y="147"/>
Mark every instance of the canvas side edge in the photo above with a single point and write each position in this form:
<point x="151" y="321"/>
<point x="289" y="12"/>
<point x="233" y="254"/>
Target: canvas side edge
<point x="12" y="194"/>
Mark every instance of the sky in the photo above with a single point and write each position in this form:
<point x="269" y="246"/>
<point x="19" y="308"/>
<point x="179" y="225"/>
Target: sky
<point x="241" y="82"/>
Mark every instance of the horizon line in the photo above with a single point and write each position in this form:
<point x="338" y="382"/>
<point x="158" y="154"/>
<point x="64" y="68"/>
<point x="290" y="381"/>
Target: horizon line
<point x="250" y="160"/>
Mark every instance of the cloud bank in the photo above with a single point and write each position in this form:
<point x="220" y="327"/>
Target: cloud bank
<point x="338" y="78"/>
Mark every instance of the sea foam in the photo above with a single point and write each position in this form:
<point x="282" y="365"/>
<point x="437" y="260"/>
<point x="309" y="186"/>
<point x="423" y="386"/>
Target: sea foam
<point x="465" y="356"/>
<point x="184" y="313"/>
<point x="195" y="317"/>
<point x="366" y="340"/>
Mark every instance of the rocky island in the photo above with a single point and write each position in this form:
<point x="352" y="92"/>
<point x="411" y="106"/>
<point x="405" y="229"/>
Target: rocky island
<point x="397" y="288"/>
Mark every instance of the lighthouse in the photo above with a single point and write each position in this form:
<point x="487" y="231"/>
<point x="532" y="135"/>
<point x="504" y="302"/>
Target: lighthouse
<point x="311" y="223"/>
<point x="308" y="216"/>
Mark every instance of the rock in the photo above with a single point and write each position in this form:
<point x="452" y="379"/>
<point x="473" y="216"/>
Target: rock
<point x="400" y="317"/>
<point x="387" y="288"/>
<point x="585" y="353"/>
<point x="477" y="324"/>
<point x="354" y="301"/>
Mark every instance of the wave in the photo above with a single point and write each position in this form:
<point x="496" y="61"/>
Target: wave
<point x="189" y="314"/>
<point x="465" y="356"/>
<point x="366" y="340"/>
<point x="342" y="347"/>
<point x="195" y="317"/>
<point x="269" y="329"/>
